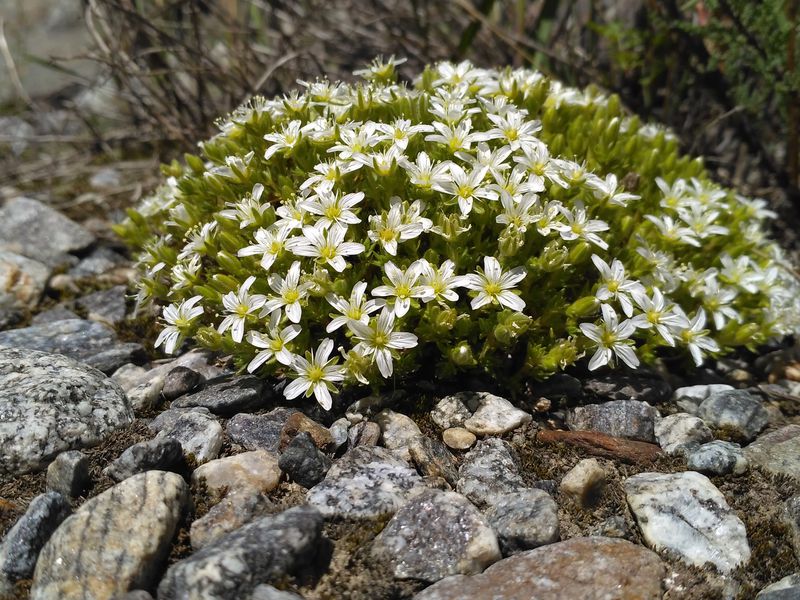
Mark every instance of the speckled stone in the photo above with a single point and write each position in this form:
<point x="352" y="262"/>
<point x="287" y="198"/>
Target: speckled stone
<point x="777" y="452"/>
<point x="115" y="542"/>
<point x="432" y="459"/>
<point x="488" y="472"/>
<point x="364" y="433"/>
<point x="57" y="313"/>
<point x="303" y="462"/>
<point x="68" y="474"/>
<point x="435" y="535"/>
<point x="160" y="454"/>
<point x="792" y="520"/>
<point x="738" y="411"/>
<point x="680" y="432"/>
<point x="180" y="381"/>
<point x="169" y="417"/>
<point x="630" y="419"/>
<point x="228" y="397"/>
<point x="258" y="432"/>
<point x="583" y="568"/>
<point x="495" y="416"/>
<point x="397" y="431"/>
<point x="717" y="458"/>
<point x="524" y="520"/>
<point x="450" y="411"/>
<point x="200" y="435"/>
<point x="690" y="398"/>
<point x="22" y="281"/>
<point x="619" y="386"/>
<point x="49" y="404"/>
<point x="105" y="306"/>
<point x="237" y="508"/>
<point x="256" y="471"/>
<point x="787" y="588"/>
<point x="263" y="551"/>
<point x="300" y="423"/>
<point x="686" y="514"/>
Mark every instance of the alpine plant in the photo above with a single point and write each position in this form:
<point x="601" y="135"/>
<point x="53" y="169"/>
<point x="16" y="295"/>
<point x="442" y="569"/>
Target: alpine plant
<point x="477" y="219"/>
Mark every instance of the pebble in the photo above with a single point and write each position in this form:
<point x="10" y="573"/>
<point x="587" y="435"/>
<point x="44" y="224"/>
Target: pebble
<point x="630" y="419"/>
<point x="777" y="452"/>
<point x="24" y="541"/>
<point x="364" y="433"/>
<point x="57" y="313"/>
<point x="129" y="376"/>
<point x="368" y="482"/>
<point x="49" y="404"/>
<point x="114" y="542"/>
<point x="300" y="423"/>
<point x="488" y="472"/>
<point x="792" y="520"/>
<point x="787" y="588"/>
<point x="106" y="306"/>
<point x="459" y="438"/>
<point x="22" y="281"/>
<point x="180" y="381"/>
<point x="397" y="431"/>
<point x="117" y="355"/>
<point x="687" y="515"/>
<point x="495" y="416"/>
<point x="339" y="430"/>
<point x="249" y="471"/>
<point x="524" y="520"/>
<point x="146" y="396"/>
<point x="160" y="454"/>
<point x="432" y="459"/>
<point x="584" y="483"/>
<point x="68" y="474"/>
<point x="367" y="407"/>
<point x="628" y="387"/>
<point x="690" y="398"/>
<point x="228" y="397"/>
<point x="234" y="510"/>
<point x="259" y="432"/>
<point x="267" y="592"/>
<point x="99" y="261"/>
<point x="717" y="458"/>
<point x="200" y="435"/>
<point x="581" y="568"/>
<point x="450" y="412"/>
<point x="680" y="432"/>
<point x="600" y="444"/>
<point x="614" y="526"/>
<point x="263" y="551"/>
<point x="737" y="411"/>
<point x="303" y="462"/>
<point x="169" y="417"/>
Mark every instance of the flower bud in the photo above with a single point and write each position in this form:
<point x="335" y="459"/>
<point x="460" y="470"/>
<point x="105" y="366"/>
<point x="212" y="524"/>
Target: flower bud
<point x="579" y="253"/>
<point x="583" y="307"/>
<point x="462" y="355"/>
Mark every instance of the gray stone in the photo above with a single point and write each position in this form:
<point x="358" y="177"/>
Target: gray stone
<point x="690" y="398"/>
<point x="106" y="306"/>
<point x="450" y="412"/>
<point x="128" y="376"/>
<point x="228" y="397"/>
<point x="267" y="592"/>
<point x="737" y="411"/>
<point x="265" y="550"/>
<point x="458" y="438"/>
<point x="134" y="595"/>
<point x="366" y="483"/>
<point x="15" y="129"/>
<point x="787" y="588"/>
<point x="687" y="515"/>
<point x="200" y="435"/>
<point x="367" y="407"/>
<point x="232" y="512"/>
<point x="105" y="178"/>
<point x="630" y="419"/>
<point x="495" y="416"/>
<point x="169" y="417"/>
<point x="397" y="430"/>
<point x="628" y="387"/>
<point x="792" y="520"/>
<point x="432" y="459"/>
<point x="22" y="281"/>
<point x="557" y="386"/>
<point x="164" y="454"/>
<point x="100" y="261"/>
<point x="147" y="395"/>
<point x="299" y="423"/>
<point x="582" y="568"/>
<point x="488" y="472"/>
<point x="180" y="381"/>
<point x="615" y="527"/>
<point x="680" y="432"/>
<point x="364" y="433"/>
<point x="255" y="432"/>
<point x="255" y="471"/>
<point x="24" y="541"/>
<point x="113" y="358"/>
<point x="338" y="430"/>
<point x="717" y="458"/>
<point x="115" y="542"/>
<point x="68" y="474"/>
<point x="584" y="482"/>
<point x="777" y="452"/>
<point x="524" y="520"/>
<point x="57" y="313"/>
<point x="75" y="338"/>
<point x="303" y="462"/>
<point x="49" y="403"/>
<point x="435" y="535"/>
<point x="32" y="229"/>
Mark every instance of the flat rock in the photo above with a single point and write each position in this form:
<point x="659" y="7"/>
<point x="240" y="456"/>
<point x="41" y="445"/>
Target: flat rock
<point x="488" y="472"/>
<point x="248" y="471"/>
<point x="584" y="482"/>
<point x="690" y="398"/>
<point x="57" y="313"/>
<point x="628" y="387"/>
<point x="495" y="416"/>
<point x="778" y="452"/>
<point x="397" y="431"/>
<point x="303" y="462"/>
<point x="459" y="438"/>
<point x="680" y="432"/>
<point x="366" y="483"/>
<point x="583" y="568"/>
<point x="179" y="381"/>
<point x="68" y="474"/>
<point x="106" y="306"/>
<point x="300" y="423"/>
<point x="49" y="404"/>
<point x="259" y="432"/>
<point x="228" y="397"/>
<point x="111" y="359"/>
<point x="524" y="520"/>
<point x="684" y="513"/>
<point x="450" y="411"/>
<point x="263" y="551"/>
<point x="99" y="261"/>
<point x="606" y="446"/>
<point x="630" y="419"/>
<point x="432" y="459"/>
<point x="200" y="435"/>
<point x="235" y="510"/>
<point x="717" y="458"/>
<point x="437" y="534"/>
<point x="169" y="417"/>
<point x="115" y="542"/>
<point x="160" y="454"/>
<point x="737" y="411"/>
<point x="22" y="281"/>
<point x="787" y="588"/>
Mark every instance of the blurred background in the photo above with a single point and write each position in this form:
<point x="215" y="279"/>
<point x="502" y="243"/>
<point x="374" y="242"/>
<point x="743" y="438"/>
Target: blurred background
<point x="94" y="94"/>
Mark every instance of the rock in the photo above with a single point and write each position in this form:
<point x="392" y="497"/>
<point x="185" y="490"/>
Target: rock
<point x="200" y="435"/>
<point x="146" y="396"/>
<point x="227" y="397"/>
<point x="32" y="229"/>
<point x="339" y="430"/>
<point x="232" y="512"/>
<point x="777" y="452"/>
<point x="160" y="454"/>
<point x="787" y="588"/>
<point x="300" y="423"/>
<point x="48" y="404"/>
<point x="128" y="376"/>
<point x="99" y="261"/>
<point x="134" y="595"/>
<point x="265" y="550"/>
<point x="582" y="568"/>
<point x="792" y="520"/>
<point x="68" y="474"/>
<point x="106" y="306"/>
<point x="22" y="281"/>
<point x="169" y="417"/>
<point x="366" y="483"/>
<point x="450" y="412"/>
<point x="459" y="438"/>
<point x="364" y="433"/>
<point x="628" y="387"/>
<point x="24" y="541"/>
<point x="397" y="431"/>
<point x="717" y="458"/>
<point x="737" y="411"/>
<point x="253" y="471"/>
<point x="619" y="418"/>
<point x="117" y="355"/>
<point x="58" y="313"/>
<point x="255" y="432"/>
<point x="180" y="381"/>
<point x="606" y="446"/>
<point x="115" y="542"/>
<point x="690" y="398"/>
<point x="267" y="592"/>
<point x="615" y="527"/>
<point x="584" y="483"/>
<point x="303" y="462"/>
<point x="524" y="520"/>
<point x="495" y="416"/>
<point x="558" y="386"/>
<point x="365" y="408"/>
<point x="488" y="472"/>
<point x="687" y="515"/>
<point x="432" y="459"/>
<point x="435" y="535"/>
<point x="680" y="432"/>
<point x="17" y="131"/>
<point x="105" y="178"/>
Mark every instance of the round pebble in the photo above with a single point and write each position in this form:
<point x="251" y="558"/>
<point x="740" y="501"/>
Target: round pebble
<point x="458" y="438"/>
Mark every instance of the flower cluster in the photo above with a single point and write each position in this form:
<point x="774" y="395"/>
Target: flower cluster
<point x="479" y="219"/>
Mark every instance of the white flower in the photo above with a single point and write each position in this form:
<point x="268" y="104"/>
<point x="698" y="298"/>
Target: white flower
<point x="737" y="272"/>
<point x="494" y="286"/>
<point x="696" y="338"/>
<point x="273" y="343"/>
<point x="332" y="208"/>
<point x="382" y="162"/>
<point x="612" y="340"/>
<point x="380" y="68"/>
<point x="185" y="274"/>
<point x="199" y="241"/>
<point x="401" y="131"/>
<point x="329" y="173"/>
<point x="316" y="374"/>
<point x="701" y="220"/>
<point x="389" y="229"/>
<point x="403" y="286"/>
<point x="517" y="182"/>
<point x="656" y="313"/>
<point x="717" y="301"/>
<point x="536" y="159"/>
<point x="466" y="187"/>
<point x="378" y="339"/>
<point x="352" y="142"/>
<point x="614" y="283"/>
<point x="249" y="210"/>
<point x="674" y="195"/>
<point x="269" y="244"/>
<point x="240" y="305"/>
<point x="179" y="318"/>
<point x="519" y="212"/>
<point x="290" y="292"/>
<point x="672" y="232"/>
<point x="358" y="308"/>
<point x="327" y="246"/>
<point x="608" y="190"/>
<point x="493" y="160"/>
<point x="579" y="226"/>
<point x="287" y="139"/>
<point x="424" y="174"/>
<point x="292" y="215"/>
<point x="439" y="283"/>
<point x="455" y="138"/>
<point x="513" y="129"/>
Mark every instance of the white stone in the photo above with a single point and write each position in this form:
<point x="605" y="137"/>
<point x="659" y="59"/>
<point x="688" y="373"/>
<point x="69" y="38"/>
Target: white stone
<point x="681" y="431"/>
<point x="495" y="416"/>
